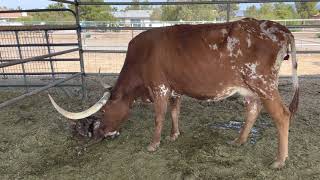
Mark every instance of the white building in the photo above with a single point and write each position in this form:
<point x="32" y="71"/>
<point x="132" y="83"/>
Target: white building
<point x="134" y="18"/>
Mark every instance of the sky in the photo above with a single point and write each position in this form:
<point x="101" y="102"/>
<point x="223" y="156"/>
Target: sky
<point x="29" y="4"/>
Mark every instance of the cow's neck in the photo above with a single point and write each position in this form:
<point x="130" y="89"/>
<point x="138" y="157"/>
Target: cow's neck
<point x="127" y="88"/>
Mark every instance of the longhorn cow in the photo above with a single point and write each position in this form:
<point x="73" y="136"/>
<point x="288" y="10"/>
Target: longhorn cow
<point x="207" y="61"/>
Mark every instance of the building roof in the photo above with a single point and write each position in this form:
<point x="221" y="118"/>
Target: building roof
<point x="133" y="14"/>
<point x="11" y="15"/>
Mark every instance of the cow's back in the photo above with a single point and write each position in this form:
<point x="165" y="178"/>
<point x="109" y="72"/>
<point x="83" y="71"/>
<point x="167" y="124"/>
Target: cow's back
<point x="210" y="57"/>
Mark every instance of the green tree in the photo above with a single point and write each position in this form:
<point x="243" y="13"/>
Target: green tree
<point x="284" y="11"/>
<point x="133" y="7"/>
<point x="170" y="13"/>
<point x="188" y="13"/>
<point x="95" y="13"/>
<point x="57" y="16"/>
<point x="252" y="11"/>
<point x="306" y="9"/>
<point x="49" y="16"/>
<point x="56" y="6"/>
<point x="87" y="13"/>
<point x="266" y="11"/>
<point x="138" y="7"/>
<point x="222" y="11"/>
<point x="271" y="11"/>
<point x="156" y="14"/>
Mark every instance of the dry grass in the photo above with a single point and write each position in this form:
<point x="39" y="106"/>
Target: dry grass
<point x="35" y="142"/>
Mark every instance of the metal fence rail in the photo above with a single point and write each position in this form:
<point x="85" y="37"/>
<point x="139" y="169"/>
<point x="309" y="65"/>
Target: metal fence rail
<point x="114" y="27"/>
<point x="14" y="100"/>
<point x="27" y="51"/>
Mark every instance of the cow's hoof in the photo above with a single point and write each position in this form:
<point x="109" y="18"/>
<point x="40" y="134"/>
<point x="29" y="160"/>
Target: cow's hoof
<point x="173" y="137"/>
<point x="153" y="147"/>
<point x="236" y="142"/>
<point x="277" y="164"/>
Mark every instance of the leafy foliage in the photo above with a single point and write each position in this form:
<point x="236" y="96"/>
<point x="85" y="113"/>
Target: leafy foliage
<point x="185" y="12"/>
<point x="302" y="10"/>
<point x="49" y="16"/>
<point x="138" y="7"/>
<point x="196" y="12"/>
<point x="87" y="13"/>
<point x="271" y="11"/>
<point x="306" y="9"/>
<point x="95" y="13"/>
<point x="284" y="11"/>
<point x="222" y="11"/>
<point x="156" y="14"/>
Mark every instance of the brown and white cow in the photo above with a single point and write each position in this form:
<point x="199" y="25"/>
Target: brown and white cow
<point x="208" y="61"/>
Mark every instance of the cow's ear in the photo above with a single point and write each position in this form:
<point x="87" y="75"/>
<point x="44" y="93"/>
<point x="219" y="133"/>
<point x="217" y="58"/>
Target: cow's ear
<point x="106" y="86"/>
<point x="109" y="88"/>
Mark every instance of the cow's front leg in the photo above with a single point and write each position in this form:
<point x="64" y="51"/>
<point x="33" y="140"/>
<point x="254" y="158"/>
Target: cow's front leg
<point x="175" y="111"/>
<point x="253" y="107"/>
<point x="160" y="108"/>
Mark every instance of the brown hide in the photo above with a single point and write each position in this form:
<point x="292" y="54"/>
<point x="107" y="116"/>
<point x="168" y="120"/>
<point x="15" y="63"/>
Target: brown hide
<point x="201" y="61"/>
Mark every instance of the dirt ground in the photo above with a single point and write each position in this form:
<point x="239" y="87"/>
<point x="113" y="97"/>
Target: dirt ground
<point x="35" y="142"/>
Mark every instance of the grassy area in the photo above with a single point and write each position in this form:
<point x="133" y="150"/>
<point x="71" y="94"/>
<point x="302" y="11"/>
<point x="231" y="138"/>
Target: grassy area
<point x="35" y="142"/>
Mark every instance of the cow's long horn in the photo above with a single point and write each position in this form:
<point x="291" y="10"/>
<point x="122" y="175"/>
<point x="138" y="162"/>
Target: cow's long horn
<point x="80" y="115"/>
<point x="104" y="85"/>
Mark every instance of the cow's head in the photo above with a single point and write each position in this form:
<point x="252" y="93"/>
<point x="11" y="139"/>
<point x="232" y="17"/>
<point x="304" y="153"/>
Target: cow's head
<point x="115" y="111"/>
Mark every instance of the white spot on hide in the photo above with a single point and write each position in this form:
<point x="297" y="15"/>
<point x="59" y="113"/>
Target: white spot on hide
<point x="174" y="94"/>
<point x="245" y="92"/>
<point x="249" y="41"/>
<point x="96" y="125"/>
<point x="252" y="67"/>
<point x="112" y="133"/>
<point x="279" y="59"/>
<point x="163" y="90"/>
<point x="227" y="92"/>
<point x="224" y="32"/>
<point x="239" y="53"/>
<point x="213" y="46"/>
<point x="269" y="32"/>
<point x="254" y="108"/>
<point x="231" y="46"/>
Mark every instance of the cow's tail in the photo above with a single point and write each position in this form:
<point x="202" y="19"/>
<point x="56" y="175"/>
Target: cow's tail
<point x="295" y="100"/>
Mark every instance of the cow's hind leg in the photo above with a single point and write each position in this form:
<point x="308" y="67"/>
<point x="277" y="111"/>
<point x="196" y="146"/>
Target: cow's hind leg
<point x="281" y="116"/>
<point x="253" y="107"/>
<point x="175" y="111"/>
<point x="160" y="108"/>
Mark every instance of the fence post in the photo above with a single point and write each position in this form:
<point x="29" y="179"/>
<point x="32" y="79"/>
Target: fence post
<point x="22" y="65"/>
<point x="49" y="52"/>
<point x="228" y="11"/>
<point x="4" y="76"/>
<point x="80" y="49"/>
